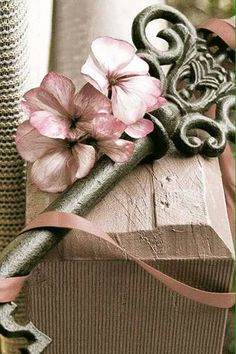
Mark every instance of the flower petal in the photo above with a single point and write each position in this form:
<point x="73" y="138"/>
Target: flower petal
<point x="127" y="106"/>
<point x="51" y="173"/>
<point x="137" y="66"/>
<point x="118" y="150"/>
<point x="112" y="54"/>
<point x="89" y="101"/>
<point x="133" y="97"/>
<point x="85" y="157"/>
<point x="31" y="145"/>
<point x="50" y="125"/>
<point x="72" y="165"/>
<point x="38" y="99"/>
<point x="94" y="75"/>
<point x="61" y="88"/>
<point x="161" y="101"/>
<point x="140" y="129"/>
<point x="104" y="126"/>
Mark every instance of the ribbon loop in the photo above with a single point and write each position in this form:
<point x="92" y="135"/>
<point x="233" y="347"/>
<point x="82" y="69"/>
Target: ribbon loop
<point x="71" y="221"/>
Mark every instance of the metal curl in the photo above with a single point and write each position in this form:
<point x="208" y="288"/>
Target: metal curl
<point x="160" y="136"/>
<point x="193" y="84"/>
<point x="174" y="40"/>
<point x="204" y="75"/>
<point x="223" y="108"/>
<point x="35" y="340"/>
<point x="190" y="144"/>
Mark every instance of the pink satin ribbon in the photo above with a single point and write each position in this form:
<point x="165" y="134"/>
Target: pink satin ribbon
<point x="224" y="28"/>
<point x="72" y="221"/>
<point x="10" y="288"/>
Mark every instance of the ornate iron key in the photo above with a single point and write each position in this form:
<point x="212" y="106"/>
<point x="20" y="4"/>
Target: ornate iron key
<point x="195" y="81"/>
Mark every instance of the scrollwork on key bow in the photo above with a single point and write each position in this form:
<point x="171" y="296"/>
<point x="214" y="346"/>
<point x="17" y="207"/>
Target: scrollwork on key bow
<point x="15" y="338"/>
<point x="194" y="82"/>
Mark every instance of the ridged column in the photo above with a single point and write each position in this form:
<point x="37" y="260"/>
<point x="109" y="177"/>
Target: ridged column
<point x="13" y="75"/>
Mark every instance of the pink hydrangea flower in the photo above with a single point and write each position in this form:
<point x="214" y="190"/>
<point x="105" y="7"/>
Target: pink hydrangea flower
<point x="115" y="69"/>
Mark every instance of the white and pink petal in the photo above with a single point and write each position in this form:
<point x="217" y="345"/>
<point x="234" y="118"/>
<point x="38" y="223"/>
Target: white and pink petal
<point x="50" y="125"/>
<point x="51" y="173"/>
<point x="119" y="150"/>
<point x="105" y="126"/>
<point x="89" y="101"/>
<point x="161" y="101"/>
<point x="126" y="105"/>
<point x="85" y="156"/>
<point x="140" y="129"/>
<point x="94" y="75"/>
<point x="61" y="88"/>
<point x="112" y="54"/>
<point x="31" y="145"/>
<point x="132" y="97"/>
<point x="72" y="166"/>
<point x="137" y="66"/>
<point x="38" y="99"/>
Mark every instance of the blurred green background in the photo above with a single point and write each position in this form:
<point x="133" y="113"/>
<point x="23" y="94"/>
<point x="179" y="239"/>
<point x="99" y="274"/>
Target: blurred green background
<point x="200" y="10"/>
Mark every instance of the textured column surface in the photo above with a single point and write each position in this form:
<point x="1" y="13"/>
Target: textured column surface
<point x="13" y="75"/>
